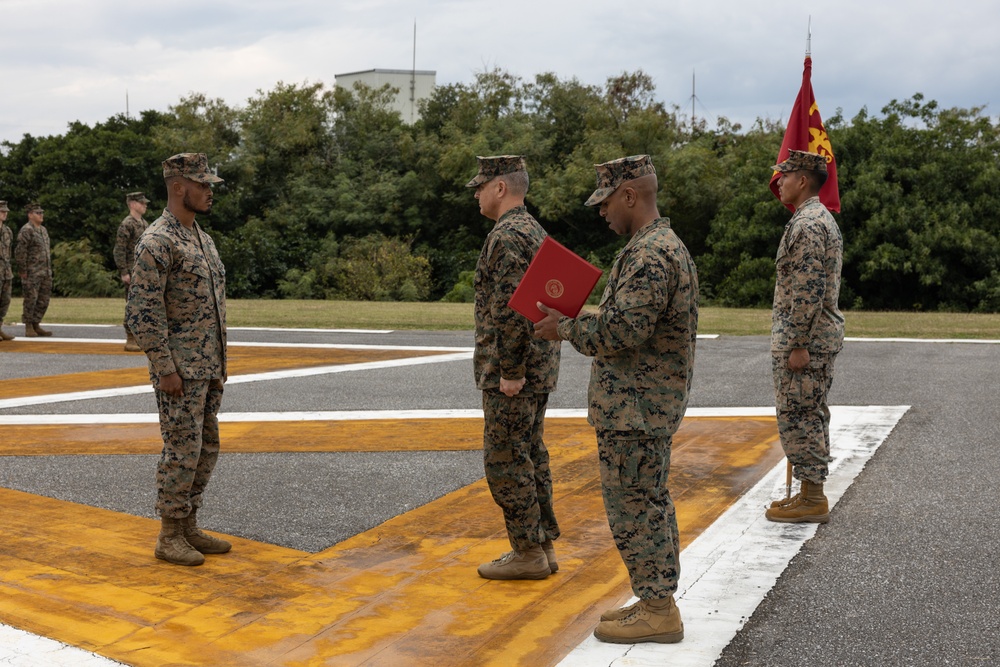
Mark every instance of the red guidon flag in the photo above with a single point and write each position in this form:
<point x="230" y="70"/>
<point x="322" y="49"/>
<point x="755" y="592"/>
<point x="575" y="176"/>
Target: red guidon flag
<point x="805" y="132"/>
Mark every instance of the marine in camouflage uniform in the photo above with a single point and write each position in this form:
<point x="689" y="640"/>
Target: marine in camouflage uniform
<point x="807" y="332"/>
<point x="34" y="262"/>
<point x="516" y="372"/>
<point x="642" y="340"/>
<point x="176" y="309"/>
<point x="129" y="231"/>
<point x="6" y="272"/>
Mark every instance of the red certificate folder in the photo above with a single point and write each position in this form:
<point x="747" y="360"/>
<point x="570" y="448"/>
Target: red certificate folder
<point x="557" y="277"/>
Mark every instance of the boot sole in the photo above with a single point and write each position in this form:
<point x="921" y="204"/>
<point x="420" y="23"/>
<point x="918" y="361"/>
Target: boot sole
<point x="815" y="518"/>
<point x="665" y="638"/>
<point x="178" y="562"/>
<point x="530" y="576"/>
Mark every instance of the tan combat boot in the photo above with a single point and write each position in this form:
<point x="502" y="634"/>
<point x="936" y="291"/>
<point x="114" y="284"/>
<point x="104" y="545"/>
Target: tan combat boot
<point x="4" y="335"/>
<point x="550" y="555"/>
<point x="39" y="330"/>
<point x="530" y="564"/>
<point x="130" y="344"/>
<point x="620" y="612"/>
<point x="171" y="545"/>
<point x="794" y="498"/>
<point x="29" y="330"/>
<point x="203" y="542"/>
<point x="810" y="507"/>
<point x="649" y="621"/>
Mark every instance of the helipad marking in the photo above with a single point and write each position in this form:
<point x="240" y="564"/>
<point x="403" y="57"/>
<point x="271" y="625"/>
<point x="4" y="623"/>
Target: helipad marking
<point x="728" y="569"/>
<point x="238" y="379"/>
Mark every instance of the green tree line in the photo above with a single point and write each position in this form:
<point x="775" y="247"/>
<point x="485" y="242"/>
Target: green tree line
<point x="329" y="194"/>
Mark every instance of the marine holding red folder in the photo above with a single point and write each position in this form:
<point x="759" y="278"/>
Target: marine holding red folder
<point x="642" y="340"/>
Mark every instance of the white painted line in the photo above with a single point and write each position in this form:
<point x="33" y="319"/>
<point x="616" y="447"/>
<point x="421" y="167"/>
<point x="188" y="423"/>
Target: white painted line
<point x="238" y="379"/>
<point x="337" y="415"/>
<point x="285" y="330"/>
<point x="922" y="340"/>
<point x="727" y="570"/>
<point x="314" y="346"/>
<point x="23" y="649"/>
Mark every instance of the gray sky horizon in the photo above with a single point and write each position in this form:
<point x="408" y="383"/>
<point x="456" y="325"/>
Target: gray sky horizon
<point x="64" y="61"/>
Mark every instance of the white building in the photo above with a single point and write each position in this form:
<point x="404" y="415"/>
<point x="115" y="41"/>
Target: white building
<point x="413" y="86"/>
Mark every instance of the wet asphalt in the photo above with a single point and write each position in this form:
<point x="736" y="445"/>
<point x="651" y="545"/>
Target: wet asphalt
<point x="905" y="573"/>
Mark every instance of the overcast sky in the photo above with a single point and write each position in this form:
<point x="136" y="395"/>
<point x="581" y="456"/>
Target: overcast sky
<point x="67" y="60"/>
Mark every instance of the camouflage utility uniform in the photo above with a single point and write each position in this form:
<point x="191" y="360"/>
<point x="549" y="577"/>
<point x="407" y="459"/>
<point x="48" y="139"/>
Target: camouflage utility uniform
<point x="128" y="235"/>
<point x="515" y="457"/>
<point x="643" y="343"/>
<point x="6" y="272"/>
<point x="34" y="259"/>
<point x="177" y="311"/>
<point x="805" y="315"/>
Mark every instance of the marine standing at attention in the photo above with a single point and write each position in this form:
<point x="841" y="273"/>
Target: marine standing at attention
<point x="807" y="332"/>
<point x="34" y="265"/>
<point x="129" y="231"/>
<point x="176" y="310"/>
<point x="642" y="340"/>
<point x="6" y="272"/>
<point x="516" y="372"/>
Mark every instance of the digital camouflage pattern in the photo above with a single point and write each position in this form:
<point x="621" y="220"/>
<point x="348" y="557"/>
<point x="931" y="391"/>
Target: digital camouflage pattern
<point x="129" y="231"/>
<point x="807" y="289"/>
<point x="802" y="161"/>
<point x="136" y="196"/>
<point x="641" y="514"/>
<point x="176" y="310"/>
<point x="6" y="270"/>
<point x="610" y="175"/>
<point x="505" y="341"/>
<point x="33" y="257"/>
<point x="496" y="165"/>
<point x="193" y="166"/>
<point x="806" y="315"/>
<point x="189" y="425"/>
<point x="177" y="303"/>
<point x="803" y="414"/>
<point x="643" y="336"/>
<point x="517" y="466"/>
<point x="643" y="342"/>
<point x="515" y="458"/>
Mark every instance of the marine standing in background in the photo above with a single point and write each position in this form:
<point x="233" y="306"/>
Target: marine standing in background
<point x="6" y="272"/>
<point x="642" y="340"/>
<point x="176" y="310"/>
<point x="516" y="372"/>
<point x="807" y="332"/>
<point x="34" y="265"/>
<point x="129" y="231"/>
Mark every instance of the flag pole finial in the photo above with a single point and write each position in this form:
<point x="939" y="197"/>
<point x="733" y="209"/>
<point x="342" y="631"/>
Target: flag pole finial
<point x="809" y="37"/>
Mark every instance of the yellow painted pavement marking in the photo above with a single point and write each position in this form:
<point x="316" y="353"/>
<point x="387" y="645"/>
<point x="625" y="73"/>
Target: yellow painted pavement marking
<point x="241" y="360"/>
<point x="405" y="592"/>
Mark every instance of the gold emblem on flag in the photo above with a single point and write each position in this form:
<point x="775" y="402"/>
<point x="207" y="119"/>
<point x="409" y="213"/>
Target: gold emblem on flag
<point x="554" y="288"/>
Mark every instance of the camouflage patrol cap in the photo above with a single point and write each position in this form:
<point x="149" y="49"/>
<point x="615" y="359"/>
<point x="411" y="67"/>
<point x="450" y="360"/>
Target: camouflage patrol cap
<point x="3" y="206"/>
<point x="496" y="165"/>
<point x="136" y="196"/>
<point x="34" y="206"/>
<point x="802" y="161"/>
<point x="192" y="166"/>
<point x="610" y="175"/>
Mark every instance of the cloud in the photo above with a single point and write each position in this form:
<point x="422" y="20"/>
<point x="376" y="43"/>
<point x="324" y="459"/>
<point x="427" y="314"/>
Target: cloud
<point x="63" y="61"/>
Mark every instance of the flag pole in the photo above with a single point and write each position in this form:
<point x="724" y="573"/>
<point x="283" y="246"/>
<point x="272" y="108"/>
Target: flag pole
<point x="809" y="37"/>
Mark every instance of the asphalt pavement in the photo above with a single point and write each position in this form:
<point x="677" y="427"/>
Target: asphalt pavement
<point x="905" y="573"/>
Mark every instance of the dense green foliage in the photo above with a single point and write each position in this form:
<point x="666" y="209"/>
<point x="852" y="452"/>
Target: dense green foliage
<point x="328" y="194"/>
